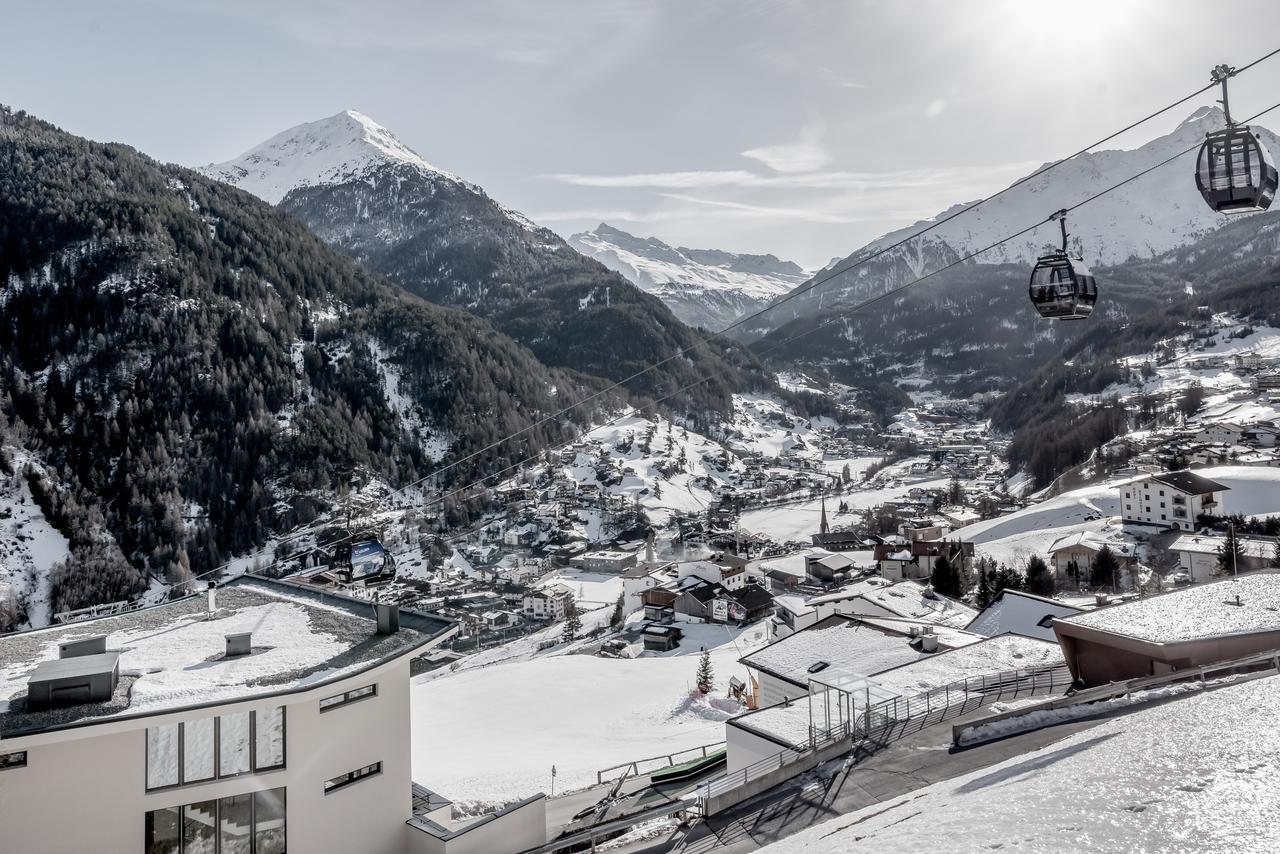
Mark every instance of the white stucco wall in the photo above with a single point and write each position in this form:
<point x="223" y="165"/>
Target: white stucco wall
<point x="744" y="748"/>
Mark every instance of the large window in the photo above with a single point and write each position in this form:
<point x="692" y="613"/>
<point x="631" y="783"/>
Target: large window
<point x="252" y="823"/>
<point x="209" y="748"/>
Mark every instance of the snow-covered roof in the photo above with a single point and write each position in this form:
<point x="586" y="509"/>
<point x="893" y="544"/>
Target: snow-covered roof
<point x="1022" y="614"/>
<point x="1092" y="540"/>
<point x="1193" y="613"/>
<point x="1211" y="544"/>
<point x="1184" y="775"/>
<point x="172" y="655"/>
<point x="839" y="641"/>
<point x="990" y="656"/>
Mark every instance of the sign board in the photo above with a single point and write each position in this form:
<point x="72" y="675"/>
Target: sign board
<point x="720" y="610"/>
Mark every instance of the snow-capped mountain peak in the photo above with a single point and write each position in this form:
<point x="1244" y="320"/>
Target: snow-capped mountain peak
<point x="327" y="151"/>
<point x="703" y="287"/>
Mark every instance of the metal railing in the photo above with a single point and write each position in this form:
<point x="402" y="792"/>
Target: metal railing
<point x="891" y="720"/>
<point x="104" y="610"/>
<point x="642" y="766"/>
<point x="1263" y="661"/>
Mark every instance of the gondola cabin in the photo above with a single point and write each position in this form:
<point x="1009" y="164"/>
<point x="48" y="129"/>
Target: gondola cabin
<point x="1062" y="288"/>
<point x="1235" y="172"/>
<point x="365" y="561"/>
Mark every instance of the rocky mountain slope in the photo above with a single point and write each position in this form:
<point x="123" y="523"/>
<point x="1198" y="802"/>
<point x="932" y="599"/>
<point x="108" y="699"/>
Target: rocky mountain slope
<point x="444" y="239"/>
<point x="190" y="371"/>
<point x="703" y="287"/>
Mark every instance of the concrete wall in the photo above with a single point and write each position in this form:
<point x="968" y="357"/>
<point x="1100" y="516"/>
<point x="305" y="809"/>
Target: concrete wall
<point x="517" y="828"/>
<point x="85" y="789"/>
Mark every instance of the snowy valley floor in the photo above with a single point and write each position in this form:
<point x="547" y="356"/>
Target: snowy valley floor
<point x="490" y="734"/>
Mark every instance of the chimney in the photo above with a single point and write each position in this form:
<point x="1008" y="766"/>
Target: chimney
<point x="928" y="643"/>
<point x="240" y="643"/>
<point x="388" y="617"/>
<point x="95" y="645"/>
<point x="211" y="597"/>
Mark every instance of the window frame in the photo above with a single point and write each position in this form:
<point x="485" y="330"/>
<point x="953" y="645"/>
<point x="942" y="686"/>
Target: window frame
<point x="280" y="792"/>
<point x="345" y="698"/>
<point x="254" y="767"/>
<point x="13" y="759"/>
<point x="343" y="781"/>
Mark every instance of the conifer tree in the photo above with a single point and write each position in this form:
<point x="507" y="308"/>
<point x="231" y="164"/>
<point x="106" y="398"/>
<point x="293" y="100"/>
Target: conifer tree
<point x="706" y="677"/>
<point x="946" y="580"/>
<point x="1104" y="569"/>
<point x="572" y="621"/>
<point x="1040" y="580"/>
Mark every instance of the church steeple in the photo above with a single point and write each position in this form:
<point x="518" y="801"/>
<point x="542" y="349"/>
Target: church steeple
<point x="823" y="527"/>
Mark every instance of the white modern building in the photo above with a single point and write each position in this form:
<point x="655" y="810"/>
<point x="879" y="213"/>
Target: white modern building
<point x="1171" y="499"/>
<point x="263" y="718"/>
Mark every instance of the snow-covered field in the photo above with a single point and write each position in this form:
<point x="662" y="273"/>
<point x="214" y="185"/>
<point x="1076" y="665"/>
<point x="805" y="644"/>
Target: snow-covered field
<point x="799" y="520"/>
<point x="1196" y="774"/>
<point x="493" y="733"/>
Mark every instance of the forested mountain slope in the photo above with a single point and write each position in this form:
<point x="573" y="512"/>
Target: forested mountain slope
<point x="446" y="240"/>
<point x="196" y="370"/>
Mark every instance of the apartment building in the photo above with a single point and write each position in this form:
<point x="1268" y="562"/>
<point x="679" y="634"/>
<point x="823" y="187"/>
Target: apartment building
<point x="1171" y="499"/>
<point x="257" y="718"/>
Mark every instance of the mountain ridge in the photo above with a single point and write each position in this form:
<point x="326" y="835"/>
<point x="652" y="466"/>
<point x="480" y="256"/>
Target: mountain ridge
<point x="710" y="288"/>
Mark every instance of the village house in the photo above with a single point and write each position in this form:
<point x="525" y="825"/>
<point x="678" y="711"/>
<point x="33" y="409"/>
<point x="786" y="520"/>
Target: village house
<point x="825" y="567"/>
<point x="1020" y="613"/>
<point x="1198" y="554"/>
<point x="1078" y="552"/>
<point x="897" y="561"/>
<point x="1174" y="499"/>
<point x="1220" y="433"/>
<point x="606" y="561"/>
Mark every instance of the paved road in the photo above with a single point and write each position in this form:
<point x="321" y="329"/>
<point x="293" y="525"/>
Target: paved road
<point x="904" y="766"/>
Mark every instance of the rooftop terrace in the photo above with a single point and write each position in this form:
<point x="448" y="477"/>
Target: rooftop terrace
<point x="173" y="656"/>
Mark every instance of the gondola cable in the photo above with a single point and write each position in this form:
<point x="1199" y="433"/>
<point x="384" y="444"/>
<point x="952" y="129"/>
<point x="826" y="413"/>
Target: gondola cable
<point x="815" y="283"/>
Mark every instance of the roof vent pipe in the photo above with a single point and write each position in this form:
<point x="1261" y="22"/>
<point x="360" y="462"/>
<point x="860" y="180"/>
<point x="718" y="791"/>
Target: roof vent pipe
<point x="211" y="597"/>
<point x="928" y="643"/>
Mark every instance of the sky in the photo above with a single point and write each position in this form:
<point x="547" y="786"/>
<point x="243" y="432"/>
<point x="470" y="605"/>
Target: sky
<point x="803" y="129"/>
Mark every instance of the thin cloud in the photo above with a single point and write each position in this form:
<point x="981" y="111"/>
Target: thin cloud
<point x="903" y="179"/>
<point x="840" y="80"/>
<point x="689" y="179"/>
<point x="935" y="108"/>
<point x="806" y="154"/>
<point x="763" y="211"/>
<point x="596" y="214"/>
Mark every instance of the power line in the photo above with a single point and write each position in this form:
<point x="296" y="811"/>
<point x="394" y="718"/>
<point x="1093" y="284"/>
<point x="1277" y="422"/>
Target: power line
<point x="776" y="345"/>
